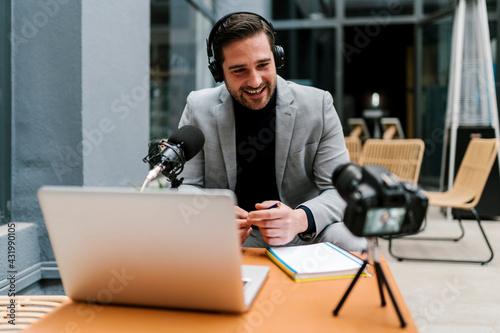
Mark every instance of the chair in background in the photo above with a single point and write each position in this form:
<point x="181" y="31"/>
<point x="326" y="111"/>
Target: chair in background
<point x="353" y="145"/>
<point x="27" y="309"/>
<point x="465" y="193"/>
<point x="392" y="128"/>
<point x="358" y="128"/>
<point x="402" y="157"/>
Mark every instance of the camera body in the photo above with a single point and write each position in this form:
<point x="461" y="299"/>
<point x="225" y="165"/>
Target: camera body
<point x="378" y="203"/>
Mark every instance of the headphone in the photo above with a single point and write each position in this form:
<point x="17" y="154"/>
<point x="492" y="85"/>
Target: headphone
<point x="216" y="68"/>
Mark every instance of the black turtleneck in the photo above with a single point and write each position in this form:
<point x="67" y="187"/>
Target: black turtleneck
<point x="255" y="157"/>
<point x="255" y="154"/>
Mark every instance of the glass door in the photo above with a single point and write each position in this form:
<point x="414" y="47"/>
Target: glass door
<point x="433" y="69"/>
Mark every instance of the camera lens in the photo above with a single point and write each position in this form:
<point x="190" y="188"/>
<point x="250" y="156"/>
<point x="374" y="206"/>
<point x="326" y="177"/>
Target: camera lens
<point x="346" y="178"/>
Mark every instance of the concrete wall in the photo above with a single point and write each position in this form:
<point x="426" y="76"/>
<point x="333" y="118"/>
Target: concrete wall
<point x="46" y="104"/>
<point x="115" y="91"/>
<point x="80" y="98"/>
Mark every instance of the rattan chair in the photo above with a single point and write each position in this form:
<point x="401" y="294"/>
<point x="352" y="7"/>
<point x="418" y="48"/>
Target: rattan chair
<point x="392" y="128"/>
<point x="390" y="132"/>
<point x="353" y="145"/>
<point x="27" y="310"/>
<point x="358" y="128"/>
<point x="465" y="193"/>
<point x="402" y="157"/>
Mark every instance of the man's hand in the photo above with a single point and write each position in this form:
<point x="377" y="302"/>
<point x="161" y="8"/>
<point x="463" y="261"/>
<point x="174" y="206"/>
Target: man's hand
<point x="278" y="225"/>
<point x="243" y="225"/>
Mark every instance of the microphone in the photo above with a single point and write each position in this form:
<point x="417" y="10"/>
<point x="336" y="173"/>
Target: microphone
<point x="168" y="156"/>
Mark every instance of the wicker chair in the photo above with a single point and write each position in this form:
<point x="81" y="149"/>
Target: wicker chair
<point x="392" y="128"/>
<point x="353" y="145"/>
<point x="358" y="128"/>
<point x="390" y="132"/>
<point x="465" y="193"/>
<point x="28" y="309"/>
<point x="401" y="157"/>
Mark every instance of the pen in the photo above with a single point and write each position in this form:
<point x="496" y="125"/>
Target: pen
<point x="276" y="205"/>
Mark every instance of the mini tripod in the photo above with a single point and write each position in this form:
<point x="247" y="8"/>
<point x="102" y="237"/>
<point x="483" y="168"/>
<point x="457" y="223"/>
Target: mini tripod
<point x="375" y="257"/>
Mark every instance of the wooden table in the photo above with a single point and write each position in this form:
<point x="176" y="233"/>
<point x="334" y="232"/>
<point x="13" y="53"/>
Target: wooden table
<point x="282" y="306"/>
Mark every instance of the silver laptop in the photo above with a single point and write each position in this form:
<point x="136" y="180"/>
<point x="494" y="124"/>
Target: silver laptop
<point x="160" y="248"/>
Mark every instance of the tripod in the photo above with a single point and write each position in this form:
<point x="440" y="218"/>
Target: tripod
<point x="375" y="257"/>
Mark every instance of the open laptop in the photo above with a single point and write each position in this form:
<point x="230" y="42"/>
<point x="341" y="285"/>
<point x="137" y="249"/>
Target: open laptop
<point x="160" y="248"/>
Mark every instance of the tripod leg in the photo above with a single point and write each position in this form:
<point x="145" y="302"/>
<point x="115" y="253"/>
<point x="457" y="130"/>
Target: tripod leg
<point x="337" y="309"/>
<point x="382" y="279"/>
<point x="378" y="272"/>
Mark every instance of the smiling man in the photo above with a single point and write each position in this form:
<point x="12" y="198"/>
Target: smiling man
<point x="249" y="71"/>
<point x="273" y="142"/>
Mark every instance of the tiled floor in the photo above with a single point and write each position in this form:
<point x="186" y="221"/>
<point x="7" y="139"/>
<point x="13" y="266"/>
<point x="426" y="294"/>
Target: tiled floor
<point x="445" y="297"/>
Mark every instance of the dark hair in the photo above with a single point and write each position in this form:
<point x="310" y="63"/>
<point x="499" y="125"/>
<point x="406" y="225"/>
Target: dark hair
<point x="237" y="27"/>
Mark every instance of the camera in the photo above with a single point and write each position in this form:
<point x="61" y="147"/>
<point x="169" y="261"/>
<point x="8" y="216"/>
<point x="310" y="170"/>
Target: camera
<point x="378" y="203"/>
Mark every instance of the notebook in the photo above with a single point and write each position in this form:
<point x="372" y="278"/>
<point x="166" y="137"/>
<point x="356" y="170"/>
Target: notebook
<point x="314" y="262"/>
<point x="159" y="248"/>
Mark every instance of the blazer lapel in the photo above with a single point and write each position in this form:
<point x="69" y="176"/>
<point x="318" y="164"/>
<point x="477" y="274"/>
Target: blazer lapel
<point x="285" y="121"/>
<point x="225" y="128"/>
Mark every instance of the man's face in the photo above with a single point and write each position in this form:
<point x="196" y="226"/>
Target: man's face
<point x="249" y="71"/>
<point x="384" y="217"/>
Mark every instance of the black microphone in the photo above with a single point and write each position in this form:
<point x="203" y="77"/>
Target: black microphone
<point x="168" y="156"/>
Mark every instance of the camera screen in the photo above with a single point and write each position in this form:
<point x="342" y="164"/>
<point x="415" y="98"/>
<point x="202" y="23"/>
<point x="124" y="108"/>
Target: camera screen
<point x="383" y="221"/>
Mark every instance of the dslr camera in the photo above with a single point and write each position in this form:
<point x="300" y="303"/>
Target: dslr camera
<point x="378" y="203"/>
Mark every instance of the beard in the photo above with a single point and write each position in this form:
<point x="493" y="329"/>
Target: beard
<point x="254" y="99"/>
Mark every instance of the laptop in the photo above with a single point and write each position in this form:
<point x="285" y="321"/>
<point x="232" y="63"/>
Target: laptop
<point x="159" y="248"/>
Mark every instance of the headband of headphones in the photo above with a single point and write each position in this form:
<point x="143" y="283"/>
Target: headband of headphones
<point x="213" y="65"/>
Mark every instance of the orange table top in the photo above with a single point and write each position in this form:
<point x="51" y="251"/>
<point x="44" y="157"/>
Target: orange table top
<point x="282" y="306"/>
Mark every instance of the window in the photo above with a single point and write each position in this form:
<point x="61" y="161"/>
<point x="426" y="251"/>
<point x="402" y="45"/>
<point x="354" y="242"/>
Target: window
<point x="303" y="9"/>
<point x="378" y="8"/>
<point x="436" y="46"/>
<point x="176" y="57"/>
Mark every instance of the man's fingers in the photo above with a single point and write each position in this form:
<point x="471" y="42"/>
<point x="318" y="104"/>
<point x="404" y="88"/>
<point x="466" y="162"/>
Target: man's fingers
<point x="244" y="233"/>
<point x="268" y="205"/>
<point x="243" y="223"/>
<point x="240" y="211"/>
<point x="271" y="233"/>
<point x="260" y="214"/>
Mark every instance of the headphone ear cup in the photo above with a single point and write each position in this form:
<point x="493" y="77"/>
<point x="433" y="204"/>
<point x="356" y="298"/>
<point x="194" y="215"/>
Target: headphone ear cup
<point x="279" y="56"/>
<point x="216" y="71"/>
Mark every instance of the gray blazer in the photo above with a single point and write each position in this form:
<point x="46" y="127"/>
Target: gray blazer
<point x="309" y="146"/>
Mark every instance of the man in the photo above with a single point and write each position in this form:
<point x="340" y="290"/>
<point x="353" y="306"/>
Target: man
<point x="384" y="221"/>
<point x="274" y="143"/>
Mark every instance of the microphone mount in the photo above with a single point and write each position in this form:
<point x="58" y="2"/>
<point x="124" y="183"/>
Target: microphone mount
<point x="173" y="158"/>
